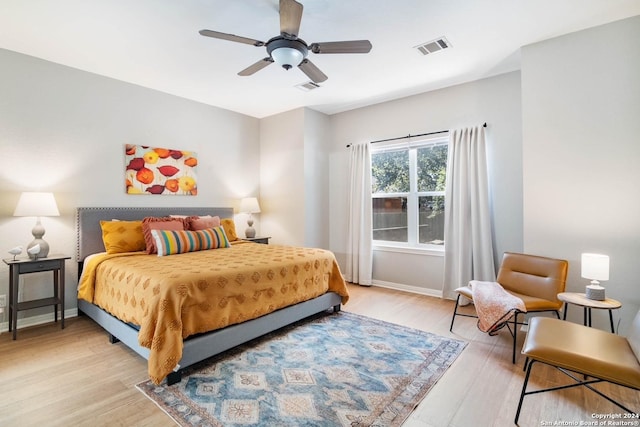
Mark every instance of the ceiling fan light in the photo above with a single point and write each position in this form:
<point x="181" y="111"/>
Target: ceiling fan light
<point x="287" y="57"/>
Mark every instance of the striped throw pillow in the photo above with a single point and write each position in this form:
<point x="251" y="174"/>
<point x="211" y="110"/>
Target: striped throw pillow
<point x="170" y="242"/>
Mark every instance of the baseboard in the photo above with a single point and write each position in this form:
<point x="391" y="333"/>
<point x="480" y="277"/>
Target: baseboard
<point x="36" y="320"/>
<point x="408" y="288"/>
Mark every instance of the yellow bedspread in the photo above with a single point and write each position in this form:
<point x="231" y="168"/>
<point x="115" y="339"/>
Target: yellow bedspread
<point x="176" y="296"/>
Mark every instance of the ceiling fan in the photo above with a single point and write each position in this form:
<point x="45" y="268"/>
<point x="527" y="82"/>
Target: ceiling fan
<point x="287" y="49"/>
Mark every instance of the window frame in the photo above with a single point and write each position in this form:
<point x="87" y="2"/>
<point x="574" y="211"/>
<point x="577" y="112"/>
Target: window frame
<point x="412" y="245"/>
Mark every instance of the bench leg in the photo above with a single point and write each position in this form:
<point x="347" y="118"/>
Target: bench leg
<point x="585" y="382"/>
<point x="524" y="389"/>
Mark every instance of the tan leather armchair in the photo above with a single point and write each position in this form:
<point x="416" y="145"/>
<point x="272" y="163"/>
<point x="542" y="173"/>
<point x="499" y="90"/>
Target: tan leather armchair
<point x="593" y="356"/>
<point x="534" y="279"/>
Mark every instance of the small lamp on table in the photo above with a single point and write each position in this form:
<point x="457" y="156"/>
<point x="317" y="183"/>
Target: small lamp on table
<point x="596" y="268"/>
<point x="37" y="204"/>
<point x="250" y="206"/>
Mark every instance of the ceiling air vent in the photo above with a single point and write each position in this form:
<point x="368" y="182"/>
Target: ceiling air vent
<point x="433" y="46"/>
<point x="307" y="86"/>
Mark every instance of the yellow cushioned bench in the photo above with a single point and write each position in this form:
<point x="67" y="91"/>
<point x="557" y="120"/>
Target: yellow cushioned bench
<point x="594" y="354"/>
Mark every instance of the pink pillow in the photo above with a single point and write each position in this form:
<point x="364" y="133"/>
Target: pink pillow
<point x="153" y="223"/>
<point x="202" y="223"/>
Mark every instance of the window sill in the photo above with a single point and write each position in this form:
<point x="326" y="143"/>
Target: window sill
<point x="431" y="251"/>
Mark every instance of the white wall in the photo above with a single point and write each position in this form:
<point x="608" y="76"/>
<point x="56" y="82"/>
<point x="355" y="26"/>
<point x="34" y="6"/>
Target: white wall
<point x="294" y="183"/>
<point x="282" y="177"/>
<point x="316" y="171"/>
<point x="64" y="130"/>
<point x="495" y="101"/>
<point x="581" y="148"/>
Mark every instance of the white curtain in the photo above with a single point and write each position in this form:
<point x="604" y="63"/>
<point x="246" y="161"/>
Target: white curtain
<point x="467" y="225"/>
<point x="359" y="250"/>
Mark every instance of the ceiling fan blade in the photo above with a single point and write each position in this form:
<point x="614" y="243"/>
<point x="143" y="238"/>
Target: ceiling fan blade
<point x="312" y="71"/>
<point x="230" y="37"/>
<point x="350" y="46"/>
<point x="290" y="17"/>
<point x="256" y="67"/>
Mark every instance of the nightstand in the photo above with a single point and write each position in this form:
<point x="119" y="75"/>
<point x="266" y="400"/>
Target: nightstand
<point x="263" y="240"/>
<point x="54" y="263"/>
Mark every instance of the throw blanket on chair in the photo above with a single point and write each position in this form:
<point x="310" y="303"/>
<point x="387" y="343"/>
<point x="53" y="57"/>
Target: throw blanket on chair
<point x="494" y="305"/>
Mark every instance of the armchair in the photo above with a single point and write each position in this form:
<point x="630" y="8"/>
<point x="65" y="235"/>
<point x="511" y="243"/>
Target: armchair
<point x="534" y="279"/>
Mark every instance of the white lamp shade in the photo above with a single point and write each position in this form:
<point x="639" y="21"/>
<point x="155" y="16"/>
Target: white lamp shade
<point x="249" y="205"/>
<point x="595" y="266"/>
<point x="33" y="203"/>
<point x="287" y="56"/>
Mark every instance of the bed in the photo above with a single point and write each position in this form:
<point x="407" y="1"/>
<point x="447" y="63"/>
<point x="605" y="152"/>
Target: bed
<point x="180" y="309"/>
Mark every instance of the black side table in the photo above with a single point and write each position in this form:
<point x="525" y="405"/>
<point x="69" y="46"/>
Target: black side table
<point x="258" y="239"/>
<point x="54" y="263"/>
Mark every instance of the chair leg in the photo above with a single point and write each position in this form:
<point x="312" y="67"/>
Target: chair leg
<point x="515" y="336"/>
<point x="515" y="329"/>
<point x="524" y="389"/>
<point x="455" y="312"/>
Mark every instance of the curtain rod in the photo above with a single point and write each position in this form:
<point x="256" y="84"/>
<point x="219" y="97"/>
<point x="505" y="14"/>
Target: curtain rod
<point x="412" y="136"/>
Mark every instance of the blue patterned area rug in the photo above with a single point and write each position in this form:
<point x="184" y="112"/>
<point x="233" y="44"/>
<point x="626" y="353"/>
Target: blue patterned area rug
<point x="338" y="369"/>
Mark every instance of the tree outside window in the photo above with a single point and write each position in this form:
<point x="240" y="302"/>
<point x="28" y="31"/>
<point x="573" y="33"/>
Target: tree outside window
<point x="408" y="186"/>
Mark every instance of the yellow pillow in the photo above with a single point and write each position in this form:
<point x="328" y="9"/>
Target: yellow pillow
<point x="122" y="236"/>
<point x="229" y="229"/>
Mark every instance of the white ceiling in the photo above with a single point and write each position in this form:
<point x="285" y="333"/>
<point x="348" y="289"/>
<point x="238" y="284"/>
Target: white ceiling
<point x="155" y="44"/>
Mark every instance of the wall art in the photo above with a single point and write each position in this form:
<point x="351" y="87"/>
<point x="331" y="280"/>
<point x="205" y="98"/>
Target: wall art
<point x="165" y="171"/>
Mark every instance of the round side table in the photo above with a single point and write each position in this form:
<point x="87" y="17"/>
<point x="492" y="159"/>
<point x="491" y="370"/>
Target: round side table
<point x="587" y="304"/>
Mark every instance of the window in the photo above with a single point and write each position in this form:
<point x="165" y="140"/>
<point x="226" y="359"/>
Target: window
<point x="408" y="183"/>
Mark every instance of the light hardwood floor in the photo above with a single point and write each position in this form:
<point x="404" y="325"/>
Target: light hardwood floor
<point x="74" y="377"/>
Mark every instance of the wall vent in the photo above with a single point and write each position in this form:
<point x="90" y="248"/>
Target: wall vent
<point x="308" y="86"/>
<point x="433" y="46"/>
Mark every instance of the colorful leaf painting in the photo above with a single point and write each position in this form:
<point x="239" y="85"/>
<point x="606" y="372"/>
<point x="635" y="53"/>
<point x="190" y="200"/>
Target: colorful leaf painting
<point x="160" y="171"/>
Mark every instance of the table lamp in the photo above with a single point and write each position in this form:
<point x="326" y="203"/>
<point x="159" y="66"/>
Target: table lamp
<point x="37" y="204"/>
<point x="595" y="267"/>
<point x="249" y="205"/>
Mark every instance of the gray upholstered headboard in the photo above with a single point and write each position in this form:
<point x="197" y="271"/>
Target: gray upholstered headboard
<point x="89" y="233"/>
